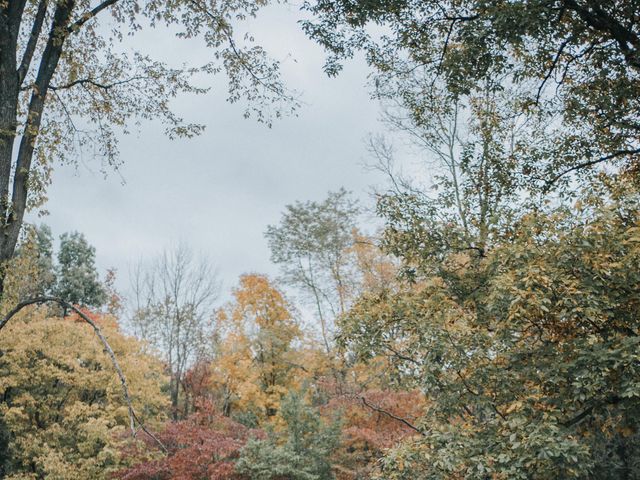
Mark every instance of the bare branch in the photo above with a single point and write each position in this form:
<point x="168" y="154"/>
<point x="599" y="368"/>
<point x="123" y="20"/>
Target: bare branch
<point x="75" y="26"/>
<point x="391" y="415"/>
<point x="103" y="86"/>
<point x="554" y="64"/>
<point x="590" y="163"/>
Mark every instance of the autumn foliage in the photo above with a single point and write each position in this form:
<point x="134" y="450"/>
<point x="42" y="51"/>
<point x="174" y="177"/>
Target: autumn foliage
<point x="62" y="413"/>
<point x="205" y="445"/>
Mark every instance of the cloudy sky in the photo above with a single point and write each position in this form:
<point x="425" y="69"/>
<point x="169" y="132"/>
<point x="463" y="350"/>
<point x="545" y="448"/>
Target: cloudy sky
<point x="218" y="192"/>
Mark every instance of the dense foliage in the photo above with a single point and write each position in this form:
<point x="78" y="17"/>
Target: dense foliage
<point x="62" y="413"/>
<point x="488" y="331"/>
<point x="205" y="445"/>
<point x="305" y="453"/>
<point x="528" y="356"/>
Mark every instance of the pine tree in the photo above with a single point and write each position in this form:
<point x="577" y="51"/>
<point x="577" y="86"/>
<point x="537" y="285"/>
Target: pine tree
<point x="78" y="280"/>
<point x="301" y="452"/>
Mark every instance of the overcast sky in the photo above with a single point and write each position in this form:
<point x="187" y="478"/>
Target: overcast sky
<point x="218" y="192"/>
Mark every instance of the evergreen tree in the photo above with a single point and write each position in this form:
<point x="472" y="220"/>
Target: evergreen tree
<point x="304" y="453"/>
<point x="78" y="280"/>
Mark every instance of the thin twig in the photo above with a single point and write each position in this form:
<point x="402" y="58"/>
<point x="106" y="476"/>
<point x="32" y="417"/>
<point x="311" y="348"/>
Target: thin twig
<point x="391" y="415"/>
<point x="590" y="163"/>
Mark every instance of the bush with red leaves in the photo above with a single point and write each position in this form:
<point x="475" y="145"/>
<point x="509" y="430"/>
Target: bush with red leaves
<point x="204" y="446"/>
<point x="371" y="425"/>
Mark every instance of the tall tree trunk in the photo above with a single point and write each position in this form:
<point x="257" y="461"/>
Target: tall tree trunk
<point x="175" y="391"/>
<point x="9" y="89"/>
<point x="12" y="209"/>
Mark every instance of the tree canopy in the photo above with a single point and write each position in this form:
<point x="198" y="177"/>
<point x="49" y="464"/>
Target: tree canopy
<point x="484" y="327"/>
<point x="62" y="413"/>
<point x="572" y="67"/>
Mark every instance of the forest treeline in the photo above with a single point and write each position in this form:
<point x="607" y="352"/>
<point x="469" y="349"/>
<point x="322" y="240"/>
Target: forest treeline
<point x="484" y="326"/>
<point x="243" y="390"/>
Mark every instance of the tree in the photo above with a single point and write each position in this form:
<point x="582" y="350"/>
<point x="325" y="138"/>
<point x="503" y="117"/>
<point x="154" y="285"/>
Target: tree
<point x="77" y="279"/>
<point x="173" y="298"/>
<point x="538" y="376"/>
<point x="302" y="453"/>
<point x="197" y="385"/>
<point x="574" y="65"/>
<point x="375" y="270"/>
<point x="61" y="403"/>
<point x="31" y="272"/>
<point x="311" y="244"/>
<point x="508" y="99"/>
<point x="255" y="365"/>
<point x="67" y="81"/>
<point x="471" y="144"/>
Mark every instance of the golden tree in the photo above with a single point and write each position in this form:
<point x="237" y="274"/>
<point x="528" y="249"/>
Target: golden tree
<point x="256" y="361"/>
